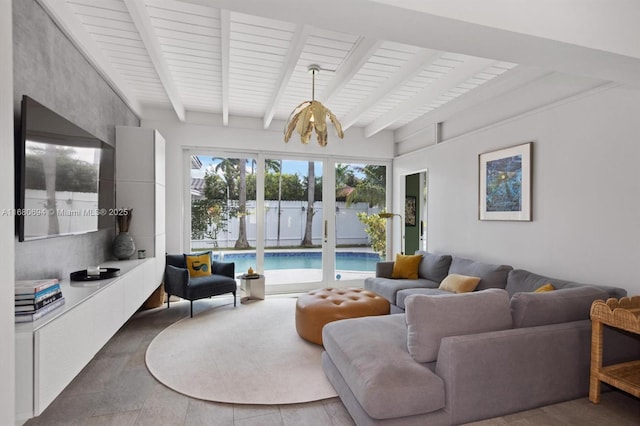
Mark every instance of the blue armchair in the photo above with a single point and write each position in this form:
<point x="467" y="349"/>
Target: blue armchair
<point x="178" y="282"/>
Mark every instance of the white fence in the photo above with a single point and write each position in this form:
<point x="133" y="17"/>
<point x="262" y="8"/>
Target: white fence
<point x="293" y="216"/>
<point x="74" y="212"/>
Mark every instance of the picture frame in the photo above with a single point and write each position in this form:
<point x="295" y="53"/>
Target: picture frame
<point x="505" y="184"/>
<point x="410" y="211"/>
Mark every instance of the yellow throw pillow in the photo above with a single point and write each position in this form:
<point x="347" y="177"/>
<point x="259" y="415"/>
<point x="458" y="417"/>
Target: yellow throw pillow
<point x="543" y="288"/>
<point x="406" y="266"/>
<point x="459" y="283"/>
<point x="199" y="265"/>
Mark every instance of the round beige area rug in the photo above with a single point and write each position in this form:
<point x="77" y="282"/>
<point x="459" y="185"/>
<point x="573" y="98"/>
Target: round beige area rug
<point x="250" y="354"/>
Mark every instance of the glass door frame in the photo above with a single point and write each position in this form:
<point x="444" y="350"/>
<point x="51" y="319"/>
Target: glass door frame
<point x="328" y="211"/>
<point x="331" y="280"/>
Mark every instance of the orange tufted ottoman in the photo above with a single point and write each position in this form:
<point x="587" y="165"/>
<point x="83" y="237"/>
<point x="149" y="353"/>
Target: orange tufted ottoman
<point x="320" y="307"/>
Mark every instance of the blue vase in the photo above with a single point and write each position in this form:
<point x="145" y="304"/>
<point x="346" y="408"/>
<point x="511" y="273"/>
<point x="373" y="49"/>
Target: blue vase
<point x="123" y="246"/>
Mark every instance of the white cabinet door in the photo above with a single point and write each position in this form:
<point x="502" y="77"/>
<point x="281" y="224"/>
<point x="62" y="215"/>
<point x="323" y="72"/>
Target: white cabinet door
<point x="108" y="315"/>
<point x="135" y="291"/>
<point x="62" y="348"/>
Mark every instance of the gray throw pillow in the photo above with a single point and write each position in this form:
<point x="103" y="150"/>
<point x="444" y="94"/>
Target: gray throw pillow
<point x="430" y="318"/>
<point x="491" y="276"/>
<point x="553" y="307"/>
<point x="433" y="267"/>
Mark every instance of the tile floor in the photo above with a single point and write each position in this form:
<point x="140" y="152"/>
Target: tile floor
<point x="116" y="389"/>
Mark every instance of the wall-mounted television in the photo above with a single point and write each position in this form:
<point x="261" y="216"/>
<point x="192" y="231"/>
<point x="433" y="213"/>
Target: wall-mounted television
<point x="64" y="177"/>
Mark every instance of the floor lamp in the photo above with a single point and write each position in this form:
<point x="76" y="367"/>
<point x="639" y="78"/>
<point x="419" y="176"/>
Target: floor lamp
<point x="389" y="215"/>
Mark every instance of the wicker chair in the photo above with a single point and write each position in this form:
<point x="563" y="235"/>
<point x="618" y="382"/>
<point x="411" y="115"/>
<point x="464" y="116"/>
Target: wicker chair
<point x="177" y="281"/>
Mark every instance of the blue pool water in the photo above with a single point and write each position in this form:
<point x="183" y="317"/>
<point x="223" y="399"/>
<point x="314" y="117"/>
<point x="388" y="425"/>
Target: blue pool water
<point x="345" y="261"/>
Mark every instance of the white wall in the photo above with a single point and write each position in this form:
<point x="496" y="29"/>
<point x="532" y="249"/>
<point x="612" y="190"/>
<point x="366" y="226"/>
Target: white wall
<point x="586" y="191"/>
<point x="7" y="224"/>
<point x="247" y="135"/>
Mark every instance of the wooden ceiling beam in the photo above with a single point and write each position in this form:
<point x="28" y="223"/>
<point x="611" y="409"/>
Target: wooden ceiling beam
<point x="363" y="51"/>
<point x="298" y="41"/>
<point x="142" y="21"/>
<point x="225" y="49"/>
<point x="413" y="67"/>
<point x="452" y="79"/>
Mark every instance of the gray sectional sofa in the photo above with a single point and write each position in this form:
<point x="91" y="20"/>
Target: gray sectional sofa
<point x="457" y="358"/>
<point x="435" y="267"/>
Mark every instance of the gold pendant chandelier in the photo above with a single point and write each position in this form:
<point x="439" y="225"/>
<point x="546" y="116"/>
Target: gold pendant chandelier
<point x="311" y="115"/>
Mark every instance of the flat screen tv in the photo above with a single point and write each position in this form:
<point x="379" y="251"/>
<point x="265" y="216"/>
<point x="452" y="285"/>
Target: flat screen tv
<point x="64" y="177"/>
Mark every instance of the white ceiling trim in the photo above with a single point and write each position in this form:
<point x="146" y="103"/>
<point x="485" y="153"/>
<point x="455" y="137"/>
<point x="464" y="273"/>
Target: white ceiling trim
<point x="427" y="95"/>
<point x="141" y="20"/>
<point x="225" y="49"/>
<point x="71" y="26"/>
<point x="359" y="56"/>
<point x="293" y="55"/>
<point x="408" y="71"/>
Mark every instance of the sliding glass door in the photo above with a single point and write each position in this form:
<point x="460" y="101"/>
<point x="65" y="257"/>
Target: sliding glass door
<point x="360" y="234"/>
<point x="223" y="208"/>
<point x="287" y="218"/>
<point x="293" y="222"/>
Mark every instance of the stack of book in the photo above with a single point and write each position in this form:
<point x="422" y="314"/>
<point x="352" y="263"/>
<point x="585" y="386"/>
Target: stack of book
<point x="35" y="298"/>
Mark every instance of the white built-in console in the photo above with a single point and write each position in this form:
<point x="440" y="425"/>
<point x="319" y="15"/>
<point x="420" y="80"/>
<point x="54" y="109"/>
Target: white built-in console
<point x="51" y="351"/>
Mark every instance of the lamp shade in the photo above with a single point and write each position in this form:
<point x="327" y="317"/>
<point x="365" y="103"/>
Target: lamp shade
<point x="311" y="115"/>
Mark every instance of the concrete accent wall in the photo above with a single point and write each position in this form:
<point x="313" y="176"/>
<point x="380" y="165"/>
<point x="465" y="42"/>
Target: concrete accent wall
<point x="585" y="200"/>
<point x="49" y="68"/>
<point x="7" y="349"/>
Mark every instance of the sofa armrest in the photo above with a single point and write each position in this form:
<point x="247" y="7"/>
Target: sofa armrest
<point x="384" y="269"/>
<point x="492" y="374"/>
<point x="175" y="280"/>
<point x="223" y="268"/>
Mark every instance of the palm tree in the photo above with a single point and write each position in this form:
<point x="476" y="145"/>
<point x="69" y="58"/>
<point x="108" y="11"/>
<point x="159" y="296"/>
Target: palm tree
<point x="233" y="168"/>
<point x="276" y="166"/>
<point x="242" y="242"/>
<point x="228" y="167"/>
<point x="345" y="181"/>
<point x="371" y="189"/>
<point x="307" y="240"/>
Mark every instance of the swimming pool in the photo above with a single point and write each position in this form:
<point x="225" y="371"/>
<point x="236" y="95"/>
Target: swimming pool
<point x="345" y="261"/>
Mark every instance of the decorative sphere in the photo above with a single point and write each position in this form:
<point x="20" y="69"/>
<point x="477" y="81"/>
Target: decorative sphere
<point x="338" y="276"/>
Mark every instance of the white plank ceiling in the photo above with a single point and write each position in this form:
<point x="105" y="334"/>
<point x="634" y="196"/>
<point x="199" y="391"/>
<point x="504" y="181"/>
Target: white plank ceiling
<point x="191" y="57"/>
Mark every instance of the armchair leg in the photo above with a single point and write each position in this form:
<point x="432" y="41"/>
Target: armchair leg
<point x="168" y="298"/>
<point x="191" y="308"/>
<point x="234" y="299"/>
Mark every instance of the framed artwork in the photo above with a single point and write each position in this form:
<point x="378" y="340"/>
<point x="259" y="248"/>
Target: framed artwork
<point x="505" y="184"/>
<point x="410" y="211"/>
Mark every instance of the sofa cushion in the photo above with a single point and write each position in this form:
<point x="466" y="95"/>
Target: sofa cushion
<point x="402" y="295"/>
<point x="491" y="276"/>
<point x="430" y="318"/>
<point x="406" y="266"/>
<point x="388" y="288"/>
<point x="553" y="307"/>
<point x="520" y="280"/>
<point x="457" y="283"/>
<point x="433" y="267"/>
<point x="371" y="355"/>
